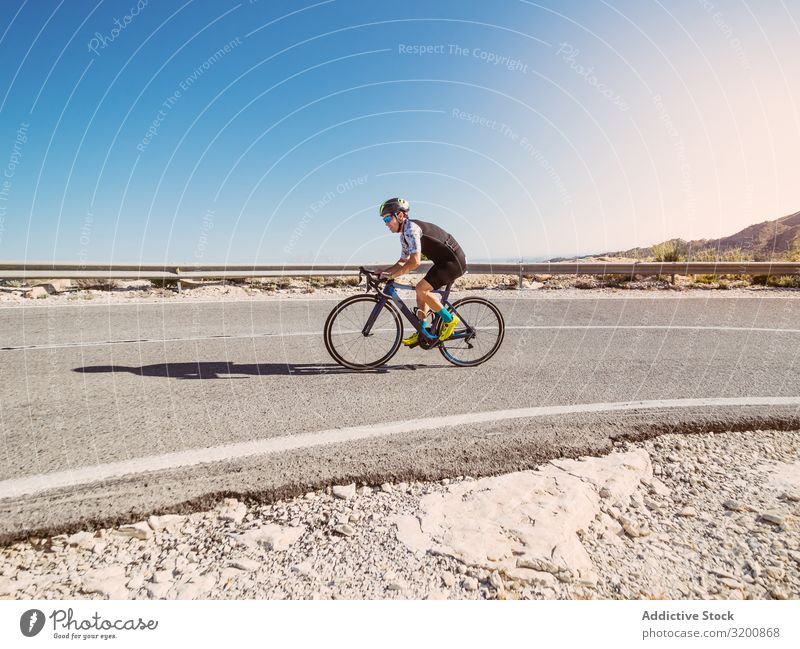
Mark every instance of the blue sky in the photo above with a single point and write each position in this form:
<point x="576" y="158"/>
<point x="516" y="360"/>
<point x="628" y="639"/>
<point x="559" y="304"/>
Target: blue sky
<point x="202" y="131"/>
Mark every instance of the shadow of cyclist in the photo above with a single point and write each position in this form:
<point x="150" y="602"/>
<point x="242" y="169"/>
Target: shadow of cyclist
<point x="228" y="370"/>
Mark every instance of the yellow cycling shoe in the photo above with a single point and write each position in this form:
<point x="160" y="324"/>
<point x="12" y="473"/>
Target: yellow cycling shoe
<point x="449" y="328"/>
<point x="413" y="339"/>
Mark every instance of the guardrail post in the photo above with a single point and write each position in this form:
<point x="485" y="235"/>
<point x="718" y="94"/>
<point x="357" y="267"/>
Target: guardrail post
<point x="178" y="273"/>
<point x="519" y="279"/>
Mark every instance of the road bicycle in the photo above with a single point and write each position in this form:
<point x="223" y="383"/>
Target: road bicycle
<point x="365" y="331"/>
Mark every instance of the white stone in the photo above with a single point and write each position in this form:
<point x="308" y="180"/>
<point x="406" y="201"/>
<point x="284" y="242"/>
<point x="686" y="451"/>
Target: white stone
<point x="159" y="590"/>
<point x="198" y="587"/>
<point x="7" y="587"/>
<point x="81" y="540"/>
<point x="109" y="582"/>
<point x="305" y="568"/>
<point x="140" y="531"/>
<point x="162" y="576"/>
<point x="36" y="292"/>
<point x="344" y="530"/>
<point x="271" y="537"/>
<point x="344" y="491"/>
<point x="167" y="522"/>
<point x="527" y="519"/>
<point x="232" y="510"/>
<point x="774" y="517"/>
<point x="245" y="564"/>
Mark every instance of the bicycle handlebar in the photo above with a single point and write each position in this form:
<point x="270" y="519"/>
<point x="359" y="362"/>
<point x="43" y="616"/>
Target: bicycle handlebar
<point x="374" y="280"/>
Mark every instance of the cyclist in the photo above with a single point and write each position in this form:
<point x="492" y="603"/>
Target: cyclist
<point x="420" y="238"/>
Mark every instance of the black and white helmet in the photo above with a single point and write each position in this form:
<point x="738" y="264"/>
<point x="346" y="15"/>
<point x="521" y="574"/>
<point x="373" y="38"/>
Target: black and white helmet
<point x="393" y="206"/>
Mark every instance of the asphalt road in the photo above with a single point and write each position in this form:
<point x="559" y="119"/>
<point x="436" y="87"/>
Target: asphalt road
<point x="109" y="413"/>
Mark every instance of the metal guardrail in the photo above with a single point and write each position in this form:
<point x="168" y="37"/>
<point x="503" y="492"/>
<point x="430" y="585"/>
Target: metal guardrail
<point x="58" y="270"/>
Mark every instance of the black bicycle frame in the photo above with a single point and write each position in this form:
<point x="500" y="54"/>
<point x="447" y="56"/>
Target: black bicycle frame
<point x="391" y="287"/>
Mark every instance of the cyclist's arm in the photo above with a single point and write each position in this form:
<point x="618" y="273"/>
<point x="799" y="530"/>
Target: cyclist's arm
<point x="404" y="266"/>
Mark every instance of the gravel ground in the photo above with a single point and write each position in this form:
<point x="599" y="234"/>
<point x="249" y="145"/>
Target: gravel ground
<point x="706" y="517"/>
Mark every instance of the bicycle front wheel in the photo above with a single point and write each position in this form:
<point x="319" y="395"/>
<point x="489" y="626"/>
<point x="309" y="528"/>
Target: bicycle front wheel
<point x="351" y="343"/>
<point x="479" y="335"/>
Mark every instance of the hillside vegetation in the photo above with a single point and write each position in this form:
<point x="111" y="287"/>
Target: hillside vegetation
<point x="777" y="240"/>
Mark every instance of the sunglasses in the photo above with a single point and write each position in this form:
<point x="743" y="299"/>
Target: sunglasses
<point x="388" y="218"/>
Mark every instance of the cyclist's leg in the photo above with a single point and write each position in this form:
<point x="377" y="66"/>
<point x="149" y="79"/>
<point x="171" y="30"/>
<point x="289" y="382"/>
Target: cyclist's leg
<point x="441" y="275"/>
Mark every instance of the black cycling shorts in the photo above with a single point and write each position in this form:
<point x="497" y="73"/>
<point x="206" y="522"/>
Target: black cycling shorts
<point x="447" y="272"/>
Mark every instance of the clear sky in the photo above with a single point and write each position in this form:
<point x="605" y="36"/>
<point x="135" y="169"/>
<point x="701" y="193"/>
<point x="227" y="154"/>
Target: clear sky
<point x="222" y="131"/>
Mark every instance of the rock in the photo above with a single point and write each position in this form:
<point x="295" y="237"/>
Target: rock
<point x="271" y="537"/>
<point x="565" y="576"/>
<point x="731" y="583"/>
<point x="634" y="531"/>
<point x="394" y="586"/>
<point x="232" y="510"/>
<point x="99" y="547"/>
<point x="688" y="512"/>
<point x="231" y="574"/>
<point x="365" y="491"/>
<point x="588" y="578"/>
<point x="610" y="525"/>
<point x="387" y="488"/>
<point x="162" y="576"/>
<point x="777" y="593"/>
<point x="732" y="505"/>
<point x="774" y="517"/>
<point x="344" y="530"/>
<point x="775" y="572"/>
<point x="448" y="579"/>
<point x="497" y="582"/>
<point x="36" y="292"/>
<point x="651" y="504"/>
<point x="198" y="587"/>
<point x="7" y="587"/>
<point x="158" y="590"/>
<point x="469" y="583"/>
<point x="54" y="286"/>
<point x="141" y="531"/>
<point x="135" y="582"/>
<point x="305" y="568"/>
<point x="246" y="564"/>
<point x="169" y="522"/>
<point x="402" y="486"/>
<point x="345" y="492"/>
<point x="539" y="565"/>
<point x="81" y="540"/>
<point x="109" y="582"/>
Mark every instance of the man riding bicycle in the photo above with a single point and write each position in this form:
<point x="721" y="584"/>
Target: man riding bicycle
<point x="420" y="238"/>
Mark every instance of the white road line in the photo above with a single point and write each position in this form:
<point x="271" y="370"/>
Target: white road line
<point x="269" y="446"/>
<point x="143" y="341"/>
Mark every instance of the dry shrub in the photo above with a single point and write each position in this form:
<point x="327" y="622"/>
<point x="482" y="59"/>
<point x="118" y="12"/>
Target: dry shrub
<point x="99" y="284"/>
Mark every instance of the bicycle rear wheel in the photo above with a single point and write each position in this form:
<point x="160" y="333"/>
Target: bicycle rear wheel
<point x="344" y="333"/>
<point x="479" y="335"/>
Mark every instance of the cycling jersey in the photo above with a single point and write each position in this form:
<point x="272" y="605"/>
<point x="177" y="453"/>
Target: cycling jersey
<point x="429" y="240"/>
<point x="449" y="262"/>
